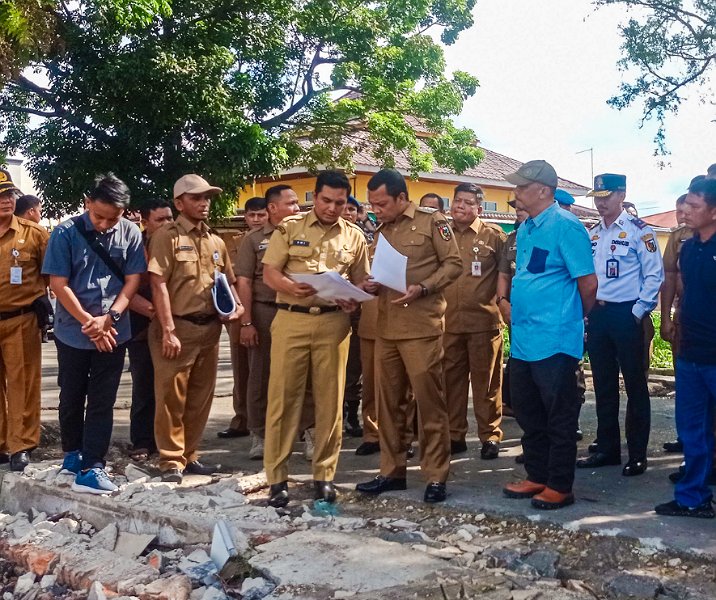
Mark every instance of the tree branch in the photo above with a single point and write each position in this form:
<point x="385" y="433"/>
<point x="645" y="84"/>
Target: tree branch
<point x="27" y="110"/>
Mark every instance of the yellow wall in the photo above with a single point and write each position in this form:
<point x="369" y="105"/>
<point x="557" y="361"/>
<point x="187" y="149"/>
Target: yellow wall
<point x="416" y="189"/>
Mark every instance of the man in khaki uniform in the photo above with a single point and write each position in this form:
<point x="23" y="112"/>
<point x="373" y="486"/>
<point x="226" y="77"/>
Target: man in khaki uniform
<point x="259" y="302"/>
<point x="409" y="345"/>
<point x="184" y="338"/>
<point x="255" y="216"/>
<point x="473" y="327"/>
<point x="314" y="334"/>
<point x="22" y="250"/>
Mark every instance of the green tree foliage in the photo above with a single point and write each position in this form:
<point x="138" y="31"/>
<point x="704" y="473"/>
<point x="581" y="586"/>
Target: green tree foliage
<point x="235" y="90"/>
<point x="670" y="47"/>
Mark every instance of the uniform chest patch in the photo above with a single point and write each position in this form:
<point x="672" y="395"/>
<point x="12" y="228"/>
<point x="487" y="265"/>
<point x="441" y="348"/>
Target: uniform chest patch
<point x="444" y="230"/>
<point x="620" y="243"/>
<point x="622" y="235"/>
<point x="185" y="249"/>
<point x="649" y="242"/>
<point x="303" y="243"/>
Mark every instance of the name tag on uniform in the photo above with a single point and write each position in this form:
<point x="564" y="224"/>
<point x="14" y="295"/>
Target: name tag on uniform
<point x="612" y="268"/>
<point x="300" y="243"/>
<point x="476" y="268"/>
<point x="185" y="248"/>
<point x="16" y="275"/>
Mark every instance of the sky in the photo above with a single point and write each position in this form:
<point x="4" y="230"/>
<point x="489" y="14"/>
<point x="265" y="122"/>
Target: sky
<point x="546" y="70"/>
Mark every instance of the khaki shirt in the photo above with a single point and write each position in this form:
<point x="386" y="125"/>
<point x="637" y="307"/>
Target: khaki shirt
<point x="471" y="299"/>
<point x="29" y="241"/>
<point x="434" y="261"/>
<point x="673" y="247"/>
<point x="302" y="244"/>
<point x="507" y="263"/>
<point x="249" y="265"/>
<point x="186" y="255"/>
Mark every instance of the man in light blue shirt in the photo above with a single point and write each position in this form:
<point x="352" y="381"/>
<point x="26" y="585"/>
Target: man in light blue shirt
<point x="94" y="263"/>
<point x="553" y="288"/>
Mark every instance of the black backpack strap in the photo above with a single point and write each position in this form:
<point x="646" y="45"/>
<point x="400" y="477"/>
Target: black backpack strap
<point x="92" y="241"/>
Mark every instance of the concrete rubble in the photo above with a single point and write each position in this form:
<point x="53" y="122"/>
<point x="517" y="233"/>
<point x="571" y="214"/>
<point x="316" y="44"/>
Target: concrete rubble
<point x="153" y="541"/>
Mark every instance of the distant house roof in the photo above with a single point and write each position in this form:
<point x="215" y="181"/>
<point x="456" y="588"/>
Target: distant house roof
<point x="666" y="219"/>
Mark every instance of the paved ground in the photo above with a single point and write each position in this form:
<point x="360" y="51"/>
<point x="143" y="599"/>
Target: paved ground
<point x="606" y="501"/>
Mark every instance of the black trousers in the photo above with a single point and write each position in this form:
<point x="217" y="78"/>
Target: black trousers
<point x="615" y="341"/>
<point x="141" y="415"/>
<point x="546" y="404"/>
<point x="354" y="383"/>
<point x="88" y="381"/>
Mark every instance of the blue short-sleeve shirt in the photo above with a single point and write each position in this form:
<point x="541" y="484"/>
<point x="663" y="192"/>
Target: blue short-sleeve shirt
<point x="68" y="255"/>
<point x="553" y="250"/>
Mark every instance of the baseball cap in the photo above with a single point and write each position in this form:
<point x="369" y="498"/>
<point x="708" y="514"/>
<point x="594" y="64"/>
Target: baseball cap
<point x="563" y="197"/>
<point x="607" y="183"/>
<point x="534" y="171"/>
<point x="6" y="183"/>
<point x="194" y="184"/>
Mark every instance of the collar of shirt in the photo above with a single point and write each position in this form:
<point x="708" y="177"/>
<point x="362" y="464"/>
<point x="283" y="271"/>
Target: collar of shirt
<point x="268" y="229"/>
<point x="620" y="222"/>
<point x="14" y="224"/>
<point x="709" y="242"/>
<point x="312" y="219"/>
<point x="202" y="228"/>
<point x="408" y="213"/>
<point x="541" y="218"/>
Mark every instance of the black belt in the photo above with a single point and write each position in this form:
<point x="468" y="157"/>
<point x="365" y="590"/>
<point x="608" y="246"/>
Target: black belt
<point x="607" y="303"/>
<point x="11" y="314"/>
<point x="270" y="303"/>
<point x="309" y="310"/>
<point x="197" y="319"/>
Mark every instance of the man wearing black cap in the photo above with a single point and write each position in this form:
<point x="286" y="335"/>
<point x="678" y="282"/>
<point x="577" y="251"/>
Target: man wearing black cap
<point x="630" y="272"/>
<point x="22" y="248"/>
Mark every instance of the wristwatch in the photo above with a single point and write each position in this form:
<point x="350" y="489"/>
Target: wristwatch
<point x="116" y="316"/>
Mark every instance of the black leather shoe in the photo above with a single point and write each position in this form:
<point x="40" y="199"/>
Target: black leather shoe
<point x="233" y="433"/>
<point x="325" y="490"/>
<point x="410" y="452"/>
<point x="435" y="492"/>
<point x="172" y="476"/>
<point x="593" y="448"/>
<point x="598" y="459"/>
<point x="634" y="467"/>
<point x="458" y="446"/>
<point x="197" y="468"/>
<point x="367" y="448"/>
<point x="278" y="494"/>
<point x="19" y="461"/>
<point x="676" y="446"/>
<point x="4" y="458"/>
<point x="382" y="484"/>
<point x="490" y="450"/>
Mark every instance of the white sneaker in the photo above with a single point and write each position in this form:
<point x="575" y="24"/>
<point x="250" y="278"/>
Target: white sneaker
<point x="257" y="447"/>
<point x="308" y="436"/>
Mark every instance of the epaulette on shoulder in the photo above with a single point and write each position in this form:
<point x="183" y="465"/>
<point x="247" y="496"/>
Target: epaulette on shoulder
<point x="31" y="224"/>
<point x="354" y="226"/>
<point x="493" y="226"/>
<point x="426" y="210"/>
<point x="638" y="222"/>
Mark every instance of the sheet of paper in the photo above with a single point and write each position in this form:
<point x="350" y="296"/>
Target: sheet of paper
<point x="331" y="286"/>
<point x="389" y="266"/>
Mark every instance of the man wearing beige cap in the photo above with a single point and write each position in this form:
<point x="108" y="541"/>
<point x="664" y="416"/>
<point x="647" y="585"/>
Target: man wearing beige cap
<point x="184" y="338"/>
<point x="554" y="286"/>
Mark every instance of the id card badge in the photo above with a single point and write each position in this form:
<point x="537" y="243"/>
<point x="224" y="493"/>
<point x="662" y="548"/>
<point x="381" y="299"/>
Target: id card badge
<point x="15" y="275"/>
<point x="476" y="268"/>
<point x="612" y="268"/>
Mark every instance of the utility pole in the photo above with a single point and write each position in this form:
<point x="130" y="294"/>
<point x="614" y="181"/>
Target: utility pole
<point x="591" y="162"/>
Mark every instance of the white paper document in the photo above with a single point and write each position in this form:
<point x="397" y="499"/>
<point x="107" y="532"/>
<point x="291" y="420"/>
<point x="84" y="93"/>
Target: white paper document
<point x="389" y="266"/>
<point x="331" y="286"/>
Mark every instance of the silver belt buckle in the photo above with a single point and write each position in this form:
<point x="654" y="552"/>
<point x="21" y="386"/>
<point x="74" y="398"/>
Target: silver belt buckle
<point x="314" y="310"/>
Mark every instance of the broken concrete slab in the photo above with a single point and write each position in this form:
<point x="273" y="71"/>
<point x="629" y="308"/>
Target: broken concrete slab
<point x="373" y="566"/>
<point x="132" y="545"/>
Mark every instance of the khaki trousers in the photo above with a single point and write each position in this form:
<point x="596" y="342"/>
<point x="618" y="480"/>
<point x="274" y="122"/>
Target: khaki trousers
<point x="20" y="379"/>
<point x="183" y="389"/>
<point x="306" y="344"/>
<point x="417" y="363"/>
<point x="474" y="358"/>
<point x="240" y="370"/>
